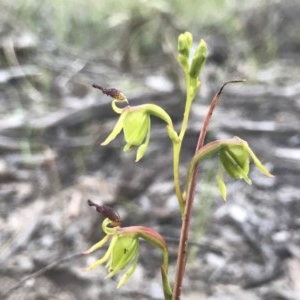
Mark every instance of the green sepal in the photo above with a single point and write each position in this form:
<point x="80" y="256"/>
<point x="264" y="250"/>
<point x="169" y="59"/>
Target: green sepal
<point x="129" y="272"/>
<point x="105" y="257"/>
<point x="98" y="245"/>
<point x="117" y="129"/>
<point x="256" y="161"/>
<point x="221" y="183"/>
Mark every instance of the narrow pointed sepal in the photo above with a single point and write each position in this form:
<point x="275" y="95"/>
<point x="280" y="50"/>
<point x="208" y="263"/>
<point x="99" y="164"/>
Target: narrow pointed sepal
<point x="257" y="162"/>
<point x="117" y="129"/>
<point x="221" y="183"/>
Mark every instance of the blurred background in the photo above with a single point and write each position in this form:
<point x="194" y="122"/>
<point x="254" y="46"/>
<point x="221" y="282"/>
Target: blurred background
<point x="52" y="121"/>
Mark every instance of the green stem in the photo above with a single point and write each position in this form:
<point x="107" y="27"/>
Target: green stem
<point x="176" y="156"/>
<point x="187" y="109"/>
<point x="190" y="95"/>
<point x="164" y="274"/>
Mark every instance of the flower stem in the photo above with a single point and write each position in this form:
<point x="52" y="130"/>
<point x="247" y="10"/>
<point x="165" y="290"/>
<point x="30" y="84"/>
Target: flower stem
<point x="176" y="176"/>
<point x="177" y="146"/>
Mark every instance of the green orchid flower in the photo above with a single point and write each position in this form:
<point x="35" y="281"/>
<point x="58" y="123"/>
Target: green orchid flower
<point x="135" y="121"/>
<point x="234" y="159"/>
<point x="123" y="251"/>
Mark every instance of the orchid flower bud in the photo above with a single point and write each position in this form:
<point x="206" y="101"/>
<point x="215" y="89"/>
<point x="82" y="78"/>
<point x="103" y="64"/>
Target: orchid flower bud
<point x="198" y="60"/>
<point x="185" y="41"/>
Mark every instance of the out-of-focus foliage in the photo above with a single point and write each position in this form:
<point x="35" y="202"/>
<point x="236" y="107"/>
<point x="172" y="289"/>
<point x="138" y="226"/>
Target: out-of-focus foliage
<point x="141" y="33"/>
<point x="132" y="28"/>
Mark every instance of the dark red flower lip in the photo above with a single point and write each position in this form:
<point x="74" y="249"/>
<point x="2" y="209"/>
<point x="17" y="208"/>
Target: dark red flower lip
<point x="107" y="212"/>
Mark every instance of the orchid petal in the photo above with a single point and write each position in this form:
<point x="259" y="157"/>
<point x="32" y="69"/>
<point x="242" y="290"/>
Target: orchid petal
<point x="142" y="149"/>
<point x="129" y="272"/>
<point x="101" y="260"/>
<point x="128" y="254"/>
<point x="221" y="183"/>
<point x="98" y="245"/>
<point x="115" y="108"/>
<point x="117" y="129"/>
<point x="257" y="162"/>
